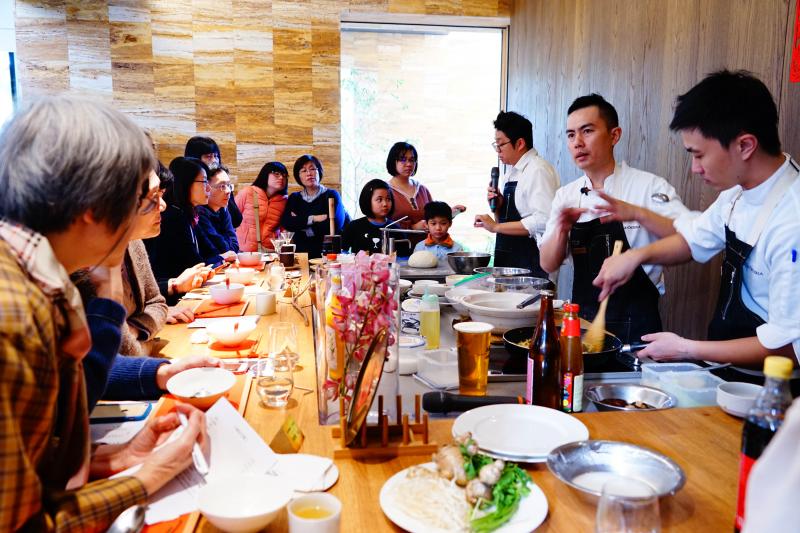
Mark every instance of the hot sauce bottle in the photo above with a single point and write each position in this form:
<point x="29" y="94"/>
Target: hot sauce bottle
<point x="571" y="361"/>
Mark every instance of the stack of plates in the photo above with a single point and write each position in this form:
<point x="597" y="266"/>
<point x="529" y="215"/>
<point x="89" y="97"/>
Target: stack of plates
<point x="521" y="433"/>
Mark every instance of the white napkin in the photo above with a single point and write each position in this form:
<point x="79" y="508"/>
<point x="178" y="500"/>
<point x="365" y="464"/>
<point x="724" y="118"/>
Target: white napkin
<point x="307" y="472"/>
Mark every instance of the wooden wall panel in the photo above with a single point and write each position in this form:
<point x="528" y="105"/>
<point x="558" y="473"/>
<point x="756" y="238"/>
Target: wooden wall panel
<point x="261" y="77"/>
<point x="640" y="54"/>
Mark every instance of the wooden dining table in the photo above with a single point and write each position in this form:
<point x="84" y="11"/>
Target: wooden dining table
<point x="704" y="441"/>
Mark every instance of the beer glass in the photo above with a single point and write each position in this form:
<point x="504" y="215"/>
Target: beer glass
<point x="472" y="340"/>
<point x="627" y="505"/>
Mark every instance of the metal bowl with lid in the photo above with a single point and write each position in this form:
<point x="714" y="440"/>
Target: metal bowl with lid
<point x="587" y="465"/>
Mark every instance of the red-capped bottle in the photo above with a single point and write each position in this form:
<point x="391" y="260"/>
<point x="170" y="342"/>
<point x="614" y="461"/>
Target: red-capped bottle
<point x="762" y="422"/>
<point x="571" y="361"/>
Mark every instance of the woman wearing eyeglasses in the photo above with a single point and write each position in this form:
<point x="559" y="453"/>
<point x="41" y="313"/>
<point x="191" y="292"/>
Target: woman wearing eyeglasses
<point x="306" y="212"/>
<point x="262" y="205"/>
<point x="215" y="233"/>
<point x="176" y="248"/>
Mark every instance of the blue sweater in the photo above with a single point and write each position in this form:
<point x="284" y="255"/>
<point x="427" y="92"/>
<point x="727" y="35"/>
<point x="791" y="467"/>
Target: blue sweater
<point x="295" y="218"/>
<point x="215" y="233"/>
<point x="108" y="376"/>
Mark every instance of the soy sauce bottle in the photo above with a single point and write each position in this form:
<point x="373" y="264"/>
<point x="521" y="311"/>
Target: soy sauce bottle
<point x="544" y="359"/>
<point x="762" y="422"/>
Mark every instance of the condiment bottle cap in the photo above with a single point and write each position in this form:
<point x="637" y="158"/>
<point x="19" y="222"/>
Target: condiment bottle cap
<point x="779" y="367"/>
<point x="575" y="308"/>
<point x="331" y="257"/>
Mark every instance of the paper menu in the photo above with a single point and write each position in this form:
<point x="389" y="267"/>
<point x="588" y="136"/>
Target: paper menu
<point x="235" y="449"/>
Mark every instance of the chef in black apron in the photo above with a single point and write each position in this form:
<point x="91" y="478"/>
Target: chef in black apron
<point x="527" y="192"/>
<point x="754" y="221"/>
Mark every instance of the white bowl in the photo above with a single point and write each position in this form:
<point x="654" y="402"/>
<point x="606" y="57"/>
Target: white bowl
<point x="433" y="288"/>
<point x="201" y="387"/>
<point x="223" y="331"/>
<point x="405" y="285"/>
<point x="500" y="310"/>
<point x="249" y="258"/>
<point x="457" y="294"/>
<point x="223" y="295"/>
<point x="244" y="504"/>
<point x="241" y="275"/>
<point x="737" y="398"/>
<point x="423" y="282"/>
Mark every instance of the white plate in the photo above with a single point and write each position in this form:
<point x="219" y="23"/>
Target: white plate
<point x="523" y="431"/>
<point x="293" y="274"/>
<point x="531" y="512"/>
<point x="411" y="305"/>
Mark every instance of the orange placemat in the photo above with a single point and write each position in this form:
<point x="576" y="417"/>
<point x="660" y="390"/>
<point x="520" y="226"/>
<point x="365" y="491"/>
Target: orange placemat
<point x="182" y="524"/>
<point x="209" y="309"/>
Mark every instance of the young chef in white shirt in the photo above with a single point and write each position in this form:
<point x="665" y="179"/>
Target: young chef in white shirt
<point x="528" y="190"/>
<point x="729" y="124"/>
<point x="610" y="202"/>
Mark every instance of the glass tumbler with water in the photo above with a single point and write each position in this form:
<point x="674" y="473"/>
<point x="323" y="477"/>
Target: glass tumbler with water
<point x="274" y="381"/>
<point x="628" y="505"/>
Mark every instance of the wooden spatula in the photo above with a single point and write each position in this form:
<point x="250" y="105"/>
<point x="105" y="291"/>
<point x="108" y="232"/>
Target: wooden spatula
<point x="595" y="336"/>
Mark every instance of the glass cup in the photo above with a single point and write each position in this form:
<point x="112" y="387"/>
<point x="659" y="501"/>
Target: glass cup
<point x="274" y="381"/>
<point x="277" y="242"/>
<point x="286" y="255"/>
<point x="282" y="341"/>
<point x="472" y="340"/>
<point x="627" y="505"/>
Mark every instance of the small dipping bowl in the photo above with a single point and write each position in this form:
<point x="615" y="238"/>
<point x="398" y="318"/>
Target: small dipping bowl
<point x="587" y="465"/>
<point x="244" y="504"/>
<point x="249" y="259"/>
<point x="224" y="295"/>
<point x="737" y="398"/>
<point x="630" y="393"/>
<point x="201" y="387"/>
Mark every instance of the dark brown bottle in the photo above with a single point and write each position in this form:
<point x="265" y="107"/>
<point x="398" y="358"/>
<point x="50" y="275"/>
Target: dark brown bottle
<point x="544" y="359"/>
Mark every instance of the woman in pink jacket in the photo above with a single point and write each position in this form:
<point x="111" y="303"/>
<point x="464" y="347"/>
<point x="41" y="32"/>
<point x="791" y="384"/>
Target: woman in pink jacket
<point x="269" y="191"/>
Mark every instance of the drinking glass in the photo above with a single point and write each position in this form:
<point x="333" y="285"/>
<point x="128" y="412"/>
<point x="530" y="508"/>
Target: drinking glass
<point x="274" y="381"/>
<point x="627" y="505"/>
<point x="287" y="236"/>
<point x="277" y="243"/>
<point x="472" y="341"/>
<point x="282" y="341"/>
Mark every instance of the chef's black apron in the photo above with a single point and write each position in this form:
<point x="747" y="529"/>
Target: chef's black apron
<point x="732" y="319"/>
<point x="516" y="251"/>
<point x="633" y="308"/>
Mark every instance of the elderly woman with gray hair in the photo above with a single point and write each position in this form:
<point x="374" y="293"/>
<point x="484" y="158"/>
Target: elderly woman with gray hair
<point x="73" y="174"/>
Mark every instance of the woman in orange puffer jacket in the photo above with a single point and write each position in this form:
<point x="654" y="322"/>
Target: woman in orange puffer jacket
<point x="270" y="187"/>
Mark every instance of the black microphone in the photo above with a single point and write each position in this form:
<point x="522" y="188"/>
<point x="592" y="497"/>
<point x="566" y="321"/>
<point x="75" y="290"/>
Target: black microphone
<point x="494" y="183"/>
<point x="444" y="402"/>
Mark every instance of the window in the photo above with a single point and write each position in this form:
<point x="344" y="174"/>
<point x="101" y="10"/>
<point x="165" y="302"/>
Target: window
<point x="438" y="88"/>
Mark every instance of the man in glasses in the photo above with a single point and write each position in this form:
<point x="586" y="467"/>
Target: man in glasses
<point x="206" y="150"/>
<point x="527" y="192"/>
<point x="215" y="233"/>
<point x="73" y="174"/>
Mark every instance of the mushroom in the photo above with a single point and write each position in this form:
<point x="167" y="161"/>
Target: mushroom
<point x="466" y="440"/>
<point x="490" y="474"/>
<point x="450" y="464"/>
<point x="476" y="490"/>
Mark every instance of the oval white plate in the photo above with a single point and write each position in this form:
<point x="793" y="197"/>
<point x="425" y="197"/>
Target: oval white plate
<point x="531" y="512"/>
<point x="523" y="431"/>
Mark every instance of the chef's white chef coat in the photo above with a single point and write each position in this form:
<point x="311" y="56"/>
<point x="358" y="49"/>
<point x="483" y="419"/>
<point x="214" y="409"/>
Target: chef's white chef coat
<point x="538" y="182"/>
<point x="771" y="281"/>
<point x="629" y="185"/>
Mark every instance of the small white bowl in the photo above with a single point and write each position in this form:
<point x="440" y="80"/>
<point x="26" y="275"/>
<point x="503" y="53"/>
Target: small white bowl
<point x="241" y="275"/>
<point x="500" y="310"/>
<point x="249" y="259"/>
<point x="224" y="295"/>
<point x="423" y="282"/>
<point x="405" y="285"/>
<point x="737" y="398"/>
<point x="433" y="288"/>
<point x="223" y="331"/>
<point x="201" y="387"/>
<point x="244" y="504"/>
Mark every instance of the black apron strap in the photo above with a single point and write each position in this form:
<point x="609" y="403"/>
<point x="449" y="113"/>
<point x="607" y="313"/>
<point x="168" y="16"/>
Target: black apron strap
<point x="512" y="250"/>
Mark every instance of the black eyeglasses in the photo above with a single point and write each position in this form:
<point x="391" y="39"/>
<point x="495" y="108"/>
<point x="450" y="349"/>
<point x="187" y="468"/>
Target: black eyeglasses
<point x="148" y="203"/>
<point x="498" y="146"/>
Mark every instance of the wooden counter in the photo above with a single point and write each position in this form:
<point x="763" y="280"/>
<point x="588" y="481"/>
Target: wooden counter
<point x="703" y="441"/>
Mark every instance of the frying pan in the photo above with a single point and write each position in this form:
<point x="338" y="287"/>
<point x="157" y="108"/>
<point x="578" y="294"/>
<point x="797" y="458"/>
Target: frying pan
<point x="592" y="361"/>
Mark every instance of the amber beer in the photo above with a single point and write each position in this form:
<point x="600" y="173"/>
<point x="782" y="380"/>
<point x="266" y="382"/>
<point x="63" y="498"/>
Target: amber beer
<point x="571" y="361"/>
<point x="544" y="359"/>
<point x="473" y="339"/>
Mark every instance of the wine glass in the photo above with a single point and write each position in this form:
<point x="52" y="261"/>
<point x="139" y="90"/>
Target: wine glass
<point x="286" y="236"/>
<point x="282" y="341"/>
<point x="627" y="505"/>
<point x="274" y="380"/>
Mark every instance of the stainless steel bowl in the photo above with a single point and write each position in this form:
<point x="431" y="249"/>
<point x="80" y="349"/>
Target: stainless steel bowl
<point x="518" y="284"/>
<point x="502" y="271"/>
<point x="466" y="262"/>
<point x="628" y="392"/>
<point x="592" y="462"/>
